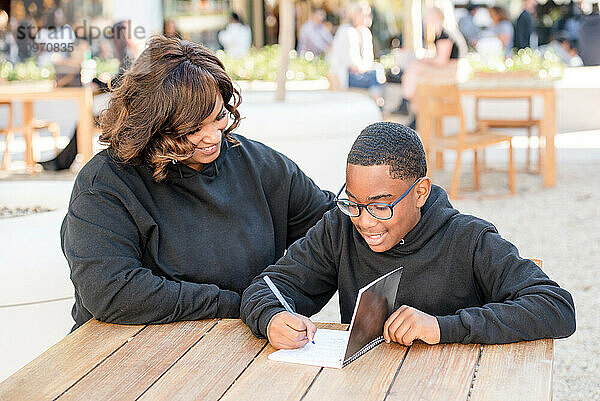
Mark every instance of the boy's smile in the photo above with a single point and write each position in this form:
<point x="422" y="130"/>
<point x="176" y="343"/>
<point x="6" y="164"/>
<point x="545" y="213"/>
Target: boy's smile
<point x="367" y="184"/>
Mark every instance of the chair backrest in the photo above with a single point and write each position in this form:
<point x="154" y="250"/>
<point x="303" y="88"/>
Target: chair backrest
<point x="442" y="100"/>
<point x="439" y="100"/>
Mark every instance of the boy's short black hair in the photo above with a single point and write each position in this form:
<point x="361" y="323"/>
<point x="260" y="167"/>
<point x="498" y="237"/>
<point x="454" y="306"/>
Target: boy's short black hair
<point x="392" y="144"/>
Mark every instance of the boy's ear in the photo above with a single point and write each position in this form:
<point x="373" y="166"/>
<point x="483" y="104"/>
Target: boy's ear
<point x="423" y="189"/>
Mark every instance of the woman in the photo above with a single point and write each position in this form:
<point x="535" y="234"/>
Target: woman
<point x="351" y="55"/>
<point x="176" y="217"/>
<point x="502" y="28"/>
<point x="443" y="65"/>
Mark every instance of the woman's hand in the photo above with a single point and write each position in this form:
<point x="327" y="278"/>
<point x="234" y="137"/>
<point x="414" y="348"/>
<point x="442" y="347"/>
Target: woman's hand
<point x="408" y="324"/>
<point x="288" y="331"/>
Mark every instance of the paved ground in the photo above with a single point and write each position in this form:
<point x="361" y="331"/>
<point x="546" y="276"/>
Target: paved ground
<point x="559" y="225"/>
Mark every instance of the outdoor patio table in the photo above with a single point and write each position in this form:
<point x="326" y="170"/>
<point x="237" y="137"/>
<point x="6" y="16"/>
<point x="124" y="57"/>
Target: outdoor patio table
<point x="518" y="88"/>
<point x="221" y="359"/>
<point x="29" y="93"/>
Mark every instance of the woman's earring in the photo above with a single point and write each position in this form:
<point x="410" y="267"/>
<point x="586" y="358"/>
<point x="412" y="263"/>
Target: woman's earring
<point x="174" y="161"/>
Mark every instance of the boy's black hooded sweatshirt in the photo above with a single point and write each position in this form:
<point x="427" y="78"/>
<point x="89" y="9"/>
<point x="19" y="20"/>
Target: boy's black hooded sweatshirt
<point x="185" y="248"/>
<point x="456" y="267"/>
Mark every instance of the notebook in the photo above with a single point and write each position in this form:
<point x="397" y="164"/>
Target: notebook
<point x="337" y="348"/>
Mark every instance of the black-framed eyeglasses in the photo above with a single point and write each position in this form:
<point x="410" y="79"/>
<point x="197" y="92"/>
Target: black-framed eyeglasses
<point x="379" y="210"/>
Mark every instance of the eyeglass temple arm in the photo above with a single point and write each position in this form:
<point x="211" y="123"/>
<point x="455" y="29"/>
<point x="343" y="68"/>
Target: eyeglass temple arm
<point x="340" y="191"/>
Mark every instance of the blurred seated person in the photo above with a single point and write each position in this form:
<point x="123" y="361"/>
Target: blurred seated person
<point x="502" y="28"/>
<point x="442" y="65"/>
<point x="126" y="51"/>
<point x="565" y="49"/>
<point x="467" y="26"/>
<point x="589" y="37"/>
<point x="314" y="36"/>
<point x="26" y="29"/>
<point x="351" y="58"/>
<point x="236" y="37"/>
<point x="9" y="51"/>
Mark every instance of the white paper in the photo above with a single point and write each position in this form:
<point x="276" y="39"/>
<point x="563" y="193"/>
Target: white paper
<point x="328" y="350"/>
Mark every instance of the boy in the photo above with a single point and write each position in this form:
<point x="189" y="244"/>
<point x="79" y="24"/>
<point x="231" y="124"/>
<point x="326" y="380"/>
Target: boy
<point x="461" y="282"/>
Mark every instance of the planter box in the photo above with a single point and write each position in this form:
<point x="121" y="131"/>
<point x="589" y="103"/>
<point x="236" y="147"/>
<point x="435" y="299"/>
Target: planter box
<point x="506" y="74"/>
<point x="27" y="86"/>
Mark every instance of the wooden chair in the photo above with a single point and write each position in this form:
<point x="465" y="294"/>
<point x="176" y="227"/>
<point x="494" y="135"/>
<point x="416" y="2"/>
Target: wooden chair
<point x="36" y="125"/>
<point x="529" y="122"/>
<point x="437" y="101"/>
<point x="538" y="262"/>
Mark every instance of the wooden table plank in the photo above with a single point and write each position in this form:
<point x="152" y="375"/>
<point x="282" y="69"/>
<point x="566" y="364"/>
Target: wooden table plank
<point x="367" y="378"/>
<point x="439" y="372"/>
<point x="134" y="367"/>
<point x="523" y="370"/>
<point x="270" y="380"/>
<point x="265" y="379"/>
<point x="61" y="366"/>
<point x="208" y="369"/>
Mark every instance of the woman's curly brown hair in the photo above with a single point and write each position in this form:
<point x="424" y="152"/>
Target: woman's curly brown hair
<point x="166" y="94"/>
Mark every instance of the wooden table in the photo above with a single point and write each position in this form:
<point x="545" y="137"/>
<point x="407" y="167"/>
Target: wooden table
<point x="221" y="359"/>
<point x="519" y="88"/>
<point x="31" y="93"/>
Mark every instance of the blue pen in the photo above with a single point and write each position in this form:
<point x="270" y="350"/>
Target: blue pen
<point x="279" y="296"/>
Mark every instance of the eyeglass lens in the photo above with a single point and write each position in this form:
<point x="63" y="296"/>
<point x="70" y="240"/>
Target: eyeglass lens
<point x="376" y="210"/>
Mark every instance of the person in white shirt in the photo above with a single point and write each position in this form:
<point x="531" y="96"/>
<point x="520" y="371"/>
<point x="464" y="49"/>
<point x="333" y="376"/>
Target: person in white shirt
<point x="351" y="55"/>
<point x="314" y="37"/>
<point x="236" y="37"/>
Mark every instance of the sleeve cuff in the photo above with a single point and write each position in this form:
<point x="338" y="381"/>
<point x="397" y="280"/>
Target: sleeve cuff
<point x="228" y="304"/>
<point x="451" y="329"/>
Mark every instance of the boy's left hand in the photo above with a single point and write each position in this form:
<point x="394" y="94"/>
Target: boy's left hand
<point x="408" y="324"/>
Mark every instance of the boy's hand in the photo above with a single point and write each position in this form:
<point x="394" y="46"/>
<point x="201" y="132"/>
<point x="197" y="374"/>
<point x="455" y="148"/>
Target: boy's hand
<point x="288" y="331"/>
<point x="408" y="324"/>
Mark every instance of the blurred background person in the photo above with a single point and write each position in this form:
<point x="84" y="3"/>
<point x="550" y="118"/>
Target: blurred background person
<point x="314" y="36"/>
<point x="569" y="22"/>
<point x="589" y="38"/>
<point x="564" y="48"/>
<point x="170" y="29"/>
<point x="525" y="27"/>
<point x="25" y="28"/>
<point x="351" y="57"/>
<point x="502" y="28"/>
<point x="467" y="26"/>
<point x="236" y="37"/>
<point x="52" y="15"/>
<point x="443" y="64"/>
<point x="9" y="51"/>
<point x="125" y="48"/>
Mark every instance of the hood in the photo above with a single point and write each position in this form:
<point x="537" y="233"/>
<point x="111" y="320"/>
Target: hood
<point x="211" y="170"/>
<point x="435" y="213"/>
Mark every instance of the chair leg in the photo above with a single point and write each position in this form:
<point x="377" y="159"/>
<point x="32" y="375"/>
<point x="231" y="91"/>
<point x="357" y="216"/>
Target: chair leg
<point x="6" y="156"/>
<point x="511" y="168"/>
<point x="55" y="131"/>
<point x="541" y="145"/>
<point x="455" y="177"/>
<point x="528" y="160"/>
<point x="476" y="169"/>
<point x="439" y="155"/>
<point x="482" y="161"/>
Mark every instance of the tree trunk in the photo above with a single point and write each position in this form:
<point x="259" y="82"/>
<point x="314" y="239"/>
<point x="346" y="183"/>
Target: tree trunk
<point x="286" y="44"/>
